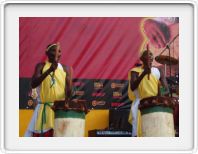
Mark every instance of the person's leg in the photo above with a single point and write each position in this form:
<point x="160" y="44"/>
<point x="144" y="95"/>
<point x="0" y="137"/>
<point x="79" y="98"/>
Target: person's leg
<point x="134" y="117"/>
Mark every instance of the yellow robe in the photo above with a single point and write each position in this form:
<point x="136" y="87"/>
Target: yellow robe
<point x="49" y="93"/>
<point x="146" y="88"/>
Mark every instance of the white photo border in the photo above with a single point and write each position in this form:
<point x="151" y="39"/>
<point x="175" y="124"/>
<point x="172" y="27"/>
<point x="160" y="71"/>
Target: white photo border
<point x="3" y="77"/>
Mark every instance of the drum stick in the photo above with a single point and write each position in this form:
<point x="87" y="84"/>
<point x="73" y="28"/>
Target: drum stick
<point x="147" y="47"/>
<point x="57" y="50"/>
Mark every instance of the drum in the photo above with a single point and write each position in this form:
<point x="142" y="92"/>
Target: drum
<point x="69" y="122"/>
<point x="157" y="116"/>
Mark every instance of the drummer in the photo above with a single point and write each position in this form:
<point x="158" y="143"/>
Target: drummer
<point x="52" y="81"/>
<point x="144" y="81"/>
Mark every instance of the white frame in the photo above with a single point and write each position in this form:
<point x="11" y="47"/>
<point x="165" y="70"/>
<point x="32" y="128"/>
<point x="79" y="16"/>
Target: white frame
<point x="194" y="3"/>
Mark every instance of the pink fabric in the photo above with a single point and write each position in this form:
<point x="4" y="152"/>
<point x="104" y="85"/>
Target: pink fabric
<point x="95" y="47"/>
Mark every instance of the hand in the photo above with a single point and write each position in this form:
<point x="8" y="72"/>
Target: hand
<point x="53" y="107"/>
<point x="66" y="106"/>
<point x="53" y="67"/>
<point x="147" y="70"/>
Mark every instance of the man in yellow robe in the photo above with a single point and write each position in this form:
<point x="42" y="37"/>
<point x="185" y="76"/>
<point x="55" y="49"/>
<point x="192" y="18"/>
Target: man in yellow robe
<point x="52" y="81"/>
<point x="144" y="82"/>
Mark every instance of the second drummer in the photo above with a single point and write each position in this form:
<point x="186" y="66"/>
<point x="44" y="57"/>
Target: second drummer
<point x="144" y="81"/>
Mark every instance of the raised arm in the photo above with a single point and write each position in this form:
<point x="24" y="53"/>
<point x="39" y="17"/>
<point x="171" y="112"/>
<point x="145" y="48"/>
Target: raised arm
<point x="38" y="77"/>
<point x="136" y="79"/>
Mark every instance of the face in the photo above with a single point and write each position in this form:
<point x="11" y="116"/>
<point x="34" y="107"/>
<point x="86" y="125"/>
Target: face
<point x="54" y="54"/>
<point x="147" y="58"/>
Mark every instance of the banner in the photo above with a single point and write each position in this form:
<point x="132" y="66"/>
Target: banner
<point x="100" y="50"/>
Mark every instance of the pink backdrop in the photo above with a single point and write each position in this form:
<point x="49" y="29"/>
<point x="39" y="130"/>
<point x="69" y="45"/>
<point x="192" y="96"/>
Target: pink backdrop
<point x="101" y="51"/>
<point x="100" y="48"/>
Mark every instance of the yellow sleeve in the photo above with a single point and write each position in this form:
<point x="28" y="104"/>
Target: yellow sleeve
<point x="130" y="92"/>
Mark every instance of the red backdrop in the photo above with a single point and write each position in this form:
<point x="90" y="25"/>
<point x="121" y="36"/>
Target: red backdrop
<point x="102" y="48"/>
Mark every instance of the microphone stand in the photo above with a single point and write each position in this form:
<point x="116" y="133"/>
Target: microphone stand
<point x="168" y="47"/>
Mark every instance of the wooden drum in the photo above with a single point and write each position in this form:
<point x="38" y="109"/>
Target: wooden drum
<point x="157" y="116"/>
<point x="70" y="121"/>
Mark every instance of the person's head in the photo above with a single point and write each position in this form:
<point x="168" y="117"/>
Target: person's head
<point x="53" y="52"/>
<point x="147" y="58"/>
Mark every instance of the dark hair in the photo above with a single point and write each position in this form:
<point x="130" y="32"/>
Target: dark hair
<point x="166" y="31"/>
<point x="143" y="53"/>
<point x="163" y="28"/>
<point x="51" y="47"/>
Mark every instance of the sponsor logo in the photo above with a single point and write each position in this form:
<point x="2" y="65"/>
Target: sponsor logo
<point x="97" y="103"/>
<point x="30" y="102"/>
<point x="117" y="94"/>
<point x="116" y="104"/>
<point x="98" y="94"/>
<point x="117" y="85"/>
<point x="98" y="85"/>
<point x="79" y="93"/>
